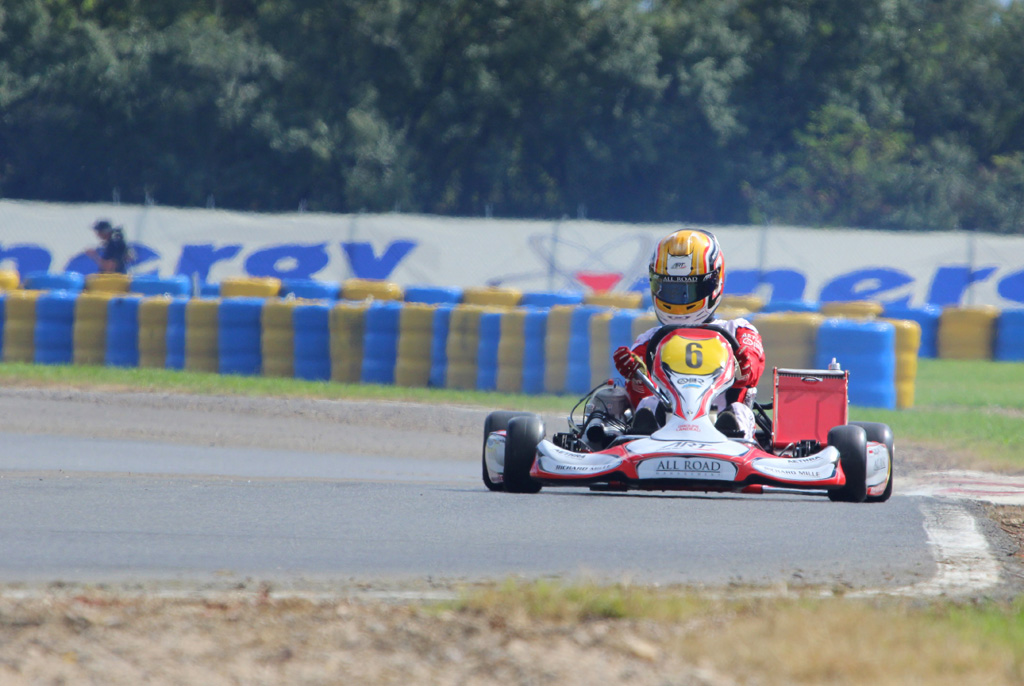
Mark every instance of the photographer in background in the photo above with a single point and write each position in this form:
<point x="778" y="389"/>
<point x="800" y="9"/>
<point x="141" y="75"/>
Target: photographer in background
<point x="112" y="256"/>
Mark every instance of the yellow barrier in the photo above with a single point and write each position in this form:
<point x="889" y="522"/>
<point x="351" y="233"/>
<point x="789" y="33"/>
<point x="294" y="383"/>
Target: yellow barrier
<point x="790" y="341"/>
<point x="250" y="287"/>
<point x="749" y="303"/>
<point x="600" y="348"/>
<point x="415" y="337"/>
<point x="107" y="283"/>
<point x="643" y="323"/>
<point x="510" y="351"/>
<point x="348" y="325"/>
<point x="854" y="309"/>
<point x="493" y="297"/>
<point x="20" y="326"/>
<point x="201" y="336"/>
<point x="277" y="338"/>
<point x="90" y="328"/>
<point x="153" y="315"/>
<point x="462" y="347"/>
<point x="967" y="333"/>
<point x="9" y="280"/>
<point x="556" y="348"/>
<point x="908" y="342"/>
<point x="361" y="289"/>
<point x="627" y="300"/>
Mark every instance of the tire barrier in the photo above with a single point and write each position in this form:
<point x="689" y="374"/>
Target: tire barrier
<point x="153" y="332"/>
<point x="250" y="287"/>
<point x="967" y="333"/>
<point x="551" y="298"/>
<point x="9" y="280"/>
<point x="748" y="303"/>
<point x="3" y="317"/>
<point x="908" y="342"/>
<point x="791" y="306"/>
<point x="123" y="331"/>
<point x="415" y="345"/>
<point x="156" y="285"/>
<point x="239" y="330"/>
<point x="201" y="346"/>
<point x="369" y="289"/>
<point x="927" y="318"/>
<point x="790" y="341"/>
<point x="433" y="295"/>
<point x="46" y="281"/>
<point x="643" y="323"/>
<point x="577" y="377"/>
<point x="491" y="297"/>
<point x="54" y="331"/>
<point x="868" y="350"/>
<point x="620" y="333"/>
<point x="556" y="348"/>
<point x="487" y="352"/>
<point x="277" y="338"/>
<point x="90" y="332"/>
<point x="380" y="344"/>
<point x="462" y="347"/>
<point x="176" y="333"/>
<point x="601" y="368"/>
<point x="20" y="326"/>
<point x="628" y="300"/>
<point x="347" y="326"/>
<point x="107" y="283"/>
<point x="511" y="350"/>
<point x="1010" y="336"/>
<point x="854" y="309"/>
<point x="310" y="289"/>
<point x="209" y="290"/>
<point x="312" y="343"/>
<point x="438" y="345"/>
<point x="535" y="327"/>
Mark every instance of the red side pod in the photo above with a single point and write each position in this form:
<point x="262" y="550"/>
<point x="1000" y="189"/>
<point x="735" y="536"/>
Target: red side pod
<point x="808" y="402"/>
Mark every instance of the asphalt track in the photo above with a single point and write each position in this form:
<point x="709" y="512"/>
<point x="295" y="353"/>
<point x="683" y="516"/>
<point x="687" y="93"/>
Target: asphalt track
<point x="93" y="499"/>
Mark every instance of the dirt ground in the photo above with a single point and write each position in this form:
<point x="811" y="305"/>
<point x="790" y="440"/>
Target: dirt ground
<point x="255" y="634"/>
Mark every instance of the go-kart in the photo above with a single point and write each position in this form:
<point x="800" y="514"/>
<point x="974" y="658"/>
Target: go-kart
<point x="807" y="444"/>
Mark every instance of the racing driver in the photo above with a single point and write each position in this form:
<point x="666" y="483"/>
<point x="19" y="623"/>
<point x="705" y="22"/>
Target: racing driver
<point x="687" y="273"/>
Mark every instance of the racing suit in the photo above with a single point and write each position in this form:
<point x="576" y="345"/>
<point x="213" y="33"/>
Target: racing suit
<point x="737" y="399"/>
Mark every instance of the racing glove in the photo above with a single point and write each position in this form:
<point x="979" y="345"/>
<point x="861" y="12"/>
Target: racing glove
<point x="749" y="359"/>
<point x="627" y="362"/>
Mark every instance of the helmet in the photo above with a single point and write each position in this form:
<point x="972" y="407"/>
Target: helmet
<point x="687" y="275"/>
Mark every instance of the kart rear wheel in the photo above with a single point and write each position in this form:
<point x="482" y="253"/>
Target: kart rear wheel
<point x="880" y="433"/>
<point x="852" y="444"/>
<point x="496" y="421"/>
<point x="523" y="435"/>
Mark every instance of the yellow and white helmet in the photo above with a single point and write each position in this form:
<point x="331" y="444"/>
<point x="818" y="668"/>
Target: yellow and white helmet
<point x="687" y="276"/>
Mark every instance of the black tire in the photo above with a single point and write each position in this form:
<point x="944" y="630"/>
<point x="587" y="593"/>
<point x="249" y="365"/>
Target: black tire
<point x="523" y="435"/>
<point x="496" y="421"/>
<point x="852" y="444"/>
<point x="880" y="433"/>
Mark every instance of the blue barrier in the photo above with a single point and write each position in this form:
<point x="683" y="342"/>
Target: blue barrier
<point x="535" y="328"/>
<point x="209" y="290"/>
<point x="380" y="342"/>
<point x="577" y="374"/>
<point x="551" y="298"/>
<point x="310" y="289"/>
<point x="151" y="285"/>
<point x="487" y="351"/>
<point x="868" y="350"/>
<point x="433" y="295"/>
<point x="239" y="332"/>
<point x="123" y="332"/>
<point x="54" y="331"/>
<point x="439" y="346"/>
<point x="620" y="333"/>
<point x="1010" y="336"/>
<point x="791" y="306"/>
<point x="927" y="318"/>
<point x="176" y="333"/>
<point x="312" y="342"/>
<point x="60" y="281"/>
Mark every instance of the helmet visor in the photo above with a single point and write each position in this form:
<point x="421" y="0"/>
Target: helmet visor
<point x="683" y="290"/>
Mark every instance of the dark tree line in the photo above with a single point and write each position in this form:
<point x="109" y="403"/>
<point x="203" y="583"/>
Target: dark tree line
<point x="876" y="113"/>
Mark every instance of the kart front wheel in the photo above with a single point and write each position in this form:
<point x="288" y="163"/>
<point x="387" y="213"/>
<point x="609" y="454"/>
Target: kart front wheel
<point x="496" y="421"/>
<point x="852" y="444"/>
<point x="880" y="433"/>
<point x="521" y="439"/>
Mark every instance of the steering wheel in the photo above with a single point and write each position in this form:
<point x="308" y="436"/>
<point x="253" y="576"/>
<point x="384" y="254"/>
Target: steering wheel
<point x="659" y="335"/>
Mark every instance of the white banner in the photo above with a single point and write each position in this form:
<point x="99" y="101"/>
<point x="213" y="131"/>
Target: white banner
<point x="780" y="262"/>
